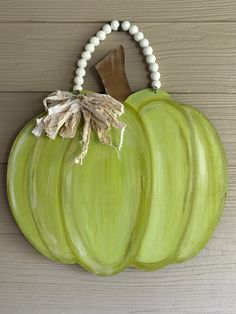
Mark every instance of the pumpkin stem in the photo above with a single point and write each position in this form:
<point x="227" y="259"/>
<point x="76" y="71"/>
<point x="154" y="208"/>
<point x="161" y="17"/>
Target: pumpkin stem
<point x="112" y="72"/>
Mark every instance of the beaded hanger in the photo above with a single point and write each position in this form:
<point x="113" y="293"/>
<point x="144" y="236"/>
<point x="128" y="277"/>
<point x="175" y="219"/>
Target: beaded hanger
<point x="101" y="35"/>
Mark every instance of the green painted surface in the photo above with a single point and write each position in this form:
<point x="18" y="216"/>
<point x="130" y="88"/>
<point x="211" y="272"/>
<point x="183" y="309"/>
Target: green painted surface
<point x="157" y="204"/>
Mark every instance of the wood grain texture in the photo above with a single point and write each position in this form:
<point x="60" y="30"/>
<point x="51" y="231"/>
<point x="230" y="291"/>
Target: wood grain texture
<point x="193" y="57"/>
<point x="40" y="42"/>
<point x="139" y="10"/>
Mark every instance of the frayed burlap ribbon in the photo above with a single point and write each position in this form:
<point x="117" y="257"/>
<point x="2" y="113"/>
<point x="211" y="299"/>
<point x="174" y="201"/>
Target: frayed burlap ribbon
<point x="65" y="111"/>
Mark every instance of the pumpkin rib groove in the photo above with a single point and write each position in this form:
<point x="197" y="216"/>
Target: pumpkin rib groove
<point x="29" y="178"/>
<point x="187" y="198"/>
<point x="141" y="98"/>
<point x="70" y="242"/>
<point x="88" y="256"/>
<point x="20" y="148"/>
<point x="193" y="175"/>
<point x="61" y="208"/>
<point x="216" y="175"/>
<point x="43" y="196"/>
<point x="80" y="239"/>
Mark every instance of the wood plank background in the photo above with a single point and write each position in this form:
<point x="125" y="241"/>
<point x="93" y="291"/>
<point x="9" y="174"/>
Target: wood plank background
<point x="40" y="42"/>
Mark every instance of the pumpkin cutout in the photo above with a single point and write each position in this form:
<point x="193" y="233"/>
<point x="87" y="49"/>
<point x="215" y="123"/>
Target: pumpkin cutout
<point x="157" y="204"/>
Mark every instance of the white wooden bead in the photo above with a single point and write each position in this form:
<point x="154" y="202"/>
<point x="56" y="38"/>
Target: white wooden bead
<point x="80" y="72"/>
<point x="115" y="25"/>
<point x="94" y="41"/>
<point x="101" y="35"/>
<point x="133" y="29"/>
<point x="138" y="36"/>
<point x="153" y="67"/>
<point x="156" y="84"/>
<point x="90" y="48"/>
<point x="78" y="80"/>
<point x="147" y="51"/>
<point x="144" y="43"/>
<point x="155" y="76"/>
<point x="150" y="59"/>
<point x="107" y="29"/>
<point x="125" y="25"/>
<point x="86" y="55"/>
<point x="82" y="63"/>
<point x="77" y="87"/>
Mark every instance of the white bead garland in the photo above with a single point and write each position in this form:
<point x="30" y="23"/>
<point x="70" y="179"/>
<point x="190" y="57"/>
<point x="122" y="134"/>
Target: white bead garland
<point x="144" y="43"/>
<point x="90" y="48"/>
<point x="80" y="72"/>
<point x="153" y="67"/>
<point x="155" y="76"/>
<point x="147" y="51"/>
<point x="107" y="29"/>
<point x="133" y="29"/>
<point x="125" y="25"/>
<point x="115" y="25"/>
<point x="94" y="41"/>
<point x="82" y="63"/>
<point x="138" y="36"/>
<point x="77" y="87"/>
<point x="86" y="55"/>
<point x="79" y="80"/>
<point x="150" y="59"/>
<point x="156" y="84"/>
<point x="101" y="35"/>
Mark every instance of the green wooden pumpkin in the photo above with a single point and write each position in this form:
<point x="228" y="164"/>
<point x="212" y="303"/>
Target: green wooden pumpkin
<point x="157" y="204"/>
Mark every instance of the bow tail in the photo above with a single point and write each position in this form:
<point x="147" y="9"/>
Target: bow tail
<point x="70" y="128"/>
<point x="85" y="137"/>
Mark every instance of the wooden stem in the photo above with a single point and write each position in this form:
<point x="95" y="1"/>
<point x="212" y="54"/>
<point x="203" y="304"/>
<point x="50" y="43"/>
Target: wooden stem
<point x="112" y="72"/>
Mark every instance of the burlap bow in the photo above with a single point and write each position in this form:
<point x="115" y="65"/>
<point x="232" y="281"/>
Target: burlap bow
<point x="65" y="110"/>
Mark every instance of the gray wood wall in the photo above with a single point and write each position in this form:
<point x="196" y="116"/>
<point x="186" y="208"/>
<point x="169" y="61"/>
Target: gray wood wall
<point x="40" y="42"/>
